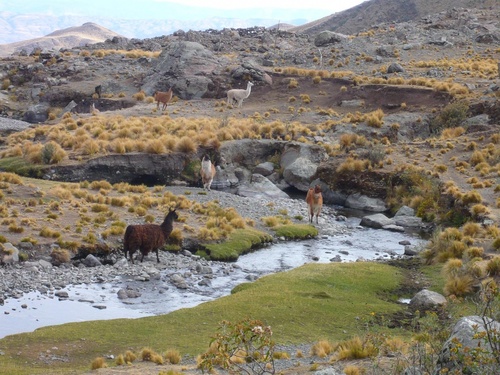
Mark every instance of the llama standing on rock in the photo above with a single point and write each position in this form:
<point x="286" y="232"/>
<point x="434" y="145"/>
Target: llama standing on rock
<point x="163" y="97"/>
<point x="207" y="172"/>
<point x="148" y="237"/>
<point x="239" y="95"/>
<point x="314" y="200"/>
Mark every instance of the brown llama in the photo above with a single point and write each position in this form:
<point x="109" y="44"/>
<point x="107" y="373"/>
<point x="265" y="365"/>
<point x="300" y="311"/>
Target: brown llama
<point x="148" y="237"/>
<point x="314" y="200"/>
<point x="163" y="97"/>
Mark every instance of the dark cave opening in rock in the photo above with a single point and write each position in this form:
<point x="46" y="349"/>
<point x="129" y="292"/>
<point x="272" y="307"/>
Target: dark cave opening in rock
<point x="149" y="180"/>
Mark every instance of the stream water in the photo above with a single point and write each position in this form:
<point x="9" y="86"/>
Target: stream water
<point x="100" y="301"/>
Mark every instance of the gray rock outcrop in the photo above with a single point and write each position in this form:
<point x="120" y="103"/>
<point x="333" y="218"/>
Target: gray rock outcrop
<point x="189" y="68"/>
<point x="327" y="37"/>
<point x="300" y="162"/>
<point x="427" y="300"/>
<point x="362" y="202"/>
<point x="464" y="334"/>
<point x="8" y="253"/>
<point x="260" y="187"/>
<point x="405" y="217"/>
<point x="377" y="221"/>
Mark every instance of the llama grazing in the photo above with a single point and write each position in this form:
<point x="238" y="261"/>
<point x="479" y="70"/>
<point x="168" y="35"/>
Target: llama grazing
<point x="239" y="95"/>
<point x="207" y="172"/>
<point x="148" y="237"/>
<point x="163" y="97"/>
<point x="314" y="200"/>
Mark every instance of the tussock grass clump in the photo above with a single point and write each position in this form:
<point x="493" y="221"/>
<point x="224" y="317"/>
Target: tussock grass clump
<point x="130" y="356"/>
<point x="459" y="286"/>
<point x="348" y="140"/>
<point x="281" y="355"/>
<point x="120" y="360"/>
<point x="186" y="145"/>
<point x="355" y="348"/>
<point x="60" y="256"/>
<point x="149" y="355"/>
<point x="173" y="356"/>
<point x="479" y="210"/>
<point x="98" y="363"/>
<point x="375" y="118"/>
<point x="493" y="267"/>
<point x="49" y="233"/>
<point x="472" y="229"/>
<point x="353" y="370"/>
<point x="139" y="96"/>
<point x="322" y="348"/>
<point x="354" y="165"/>
<point x="293" y="83"/>
<point x="451" y="133"/>
<point x="453" y="267"/>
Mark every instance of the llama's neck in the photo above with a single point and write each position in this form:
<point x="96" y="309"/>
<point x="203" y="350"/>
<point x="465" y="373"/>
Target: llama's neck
<point x="206" y="165"/>
<point x="249" y="88"/>
<point x="167" y="224"/>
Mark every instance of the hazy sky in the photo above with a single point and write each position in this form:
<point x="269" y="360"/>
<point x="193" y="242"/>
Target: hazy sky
<point x="283" y="10"/>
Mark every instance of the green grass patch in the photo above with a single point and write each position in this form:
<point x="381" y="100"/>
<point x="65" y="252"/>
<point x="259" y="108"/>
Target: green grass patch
<point x="21" y="167"/>
<point x="296" y="231"/>
<point x="241" y="241"/>
<point x="312" y="302"/>
<point x="435" y="273"/>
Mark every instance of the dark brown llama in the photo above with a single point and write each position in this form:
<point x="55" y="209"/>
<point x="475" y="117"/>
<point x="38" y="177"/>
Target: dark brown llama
<point x="148" y="237"/>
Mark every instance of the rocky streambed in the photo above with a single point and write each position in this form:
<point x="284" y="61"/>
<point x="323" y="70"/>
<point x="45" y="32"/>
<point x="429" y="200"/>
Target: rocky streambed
<point x="36" y="293"/>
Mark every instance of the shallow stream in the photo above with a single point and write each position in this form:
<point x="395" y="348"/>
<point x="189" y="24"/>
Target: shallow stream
<point x="100" y="301"/>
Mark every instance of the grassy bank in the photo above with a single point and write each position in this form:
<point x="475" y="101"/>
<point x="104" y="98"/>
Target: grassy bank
<point x="312" y="302"/>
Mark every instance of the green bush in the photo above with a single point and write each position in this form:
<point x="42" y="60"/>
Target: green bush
<point x="453" y="115"/>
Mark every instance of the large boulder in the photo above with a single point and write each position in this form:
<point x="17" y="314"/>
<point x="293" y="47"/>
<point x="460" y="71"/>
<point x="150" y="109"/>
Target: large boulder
<point x="300" y="162"/>
<point x="362" y="202"/>
<point x="330" y="196"/>
<point x="249" y="153"/>
<point x="377" y="221"/>
<point x="8" y="253"/>
<point x="327" y="37"/>
<point x="260" y="187"/>
<point x="464" y="336"/>
<point x="427" y="300"/>
<point x="189" y="68"/>
<point x="134" y="168"/>
<point x="405" y="217"/>
<point x="37" y="113"/>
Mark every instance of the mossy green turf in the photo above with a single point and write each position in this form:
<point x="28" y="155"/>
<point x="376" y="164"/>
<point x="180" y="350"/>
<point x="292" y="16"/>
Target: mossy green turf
<point x="309" y="303"/>
<point x="241" y="241"/>
<point x="21" y="167"/>
<point x="296" y="231"/>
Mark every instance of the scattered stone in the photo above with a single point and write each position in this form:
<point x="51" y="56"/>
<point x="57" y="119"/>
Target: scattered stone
<point x="427" y="300"/>
<point x="377" y="221"/>
<point x="62" y="294"/>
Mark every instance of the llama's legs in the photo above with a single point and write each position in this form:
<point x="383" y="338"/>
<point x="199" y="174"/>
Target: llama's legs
<point x="157" y="257"/>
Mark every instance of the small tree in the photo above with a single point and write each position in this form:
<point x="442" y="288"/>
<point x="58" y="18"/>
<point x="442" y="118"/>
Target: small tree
<point x="245" y="347"/>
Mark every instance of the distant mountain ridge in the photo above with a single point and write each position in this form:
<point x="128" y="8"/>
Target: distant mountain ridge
<point x="34" y="26"/>
<point x="373" y="12"/>
<point x="351" y="21"/>
<point x="88" y="33"/>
